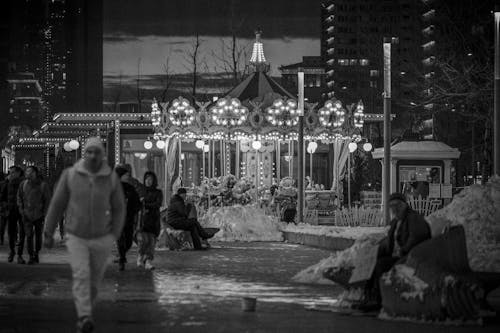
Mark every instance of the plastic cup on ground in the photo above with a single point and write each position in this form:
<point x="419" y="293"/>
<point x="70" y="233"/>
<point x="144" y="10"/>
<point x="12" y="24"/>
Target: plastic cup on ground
<point x="248" y="304"/>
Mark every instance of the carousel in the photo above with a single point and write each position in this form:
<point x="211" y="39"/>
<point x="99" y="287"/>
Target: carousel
<point x="248" y="143"/>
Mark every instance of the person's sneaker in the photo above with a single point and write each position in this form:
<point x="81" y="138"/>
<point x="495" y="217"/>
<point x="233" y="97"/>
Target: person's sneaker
<point x="32" y="260"/>
<point x="148" y="265"/>
<point x="11" y="257"/>
<point x="140" y="262"/>
<point x="20" y="260"/>
<point x="85" y="325"/>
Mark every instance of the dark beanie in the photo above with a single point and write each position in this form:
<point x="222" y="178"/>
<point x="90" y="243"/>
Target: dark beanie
<point x="397" y="196"/>
<point x="120" y="171"/>
<point x="181" y="190"/>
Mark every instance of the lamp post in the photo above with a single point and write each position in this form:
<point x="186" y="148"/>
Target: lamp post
<point x="300" y="147"/>
<point x="496" y="107"/>
<point x="311" y="149"/>
<point x="386" y="174"/>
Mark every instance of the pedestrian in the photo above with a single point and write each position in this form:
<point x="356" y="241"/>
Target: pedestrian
<point x="178" y="218"/>
<point x="91" y="195"/>
<point x="33" y="198"/>
<point x="14" y="221"/>
<point x="3" y="215"/>
<point x="133" y="203"/>
<point x="150" y="220"/>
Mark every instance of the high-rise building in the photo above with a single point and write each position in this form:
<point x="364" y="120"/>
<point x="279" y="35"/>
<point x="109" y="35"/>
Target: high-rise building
<point x="351" y="49"/>
<point x="54" y="80"/>
<point x="84" y="55"/>
<point x="314" y="78"/>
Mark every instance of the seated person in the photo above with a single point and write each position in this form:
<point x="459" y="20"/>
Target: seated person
<point x="178" y="218"/>
<point x="408" y="229"/>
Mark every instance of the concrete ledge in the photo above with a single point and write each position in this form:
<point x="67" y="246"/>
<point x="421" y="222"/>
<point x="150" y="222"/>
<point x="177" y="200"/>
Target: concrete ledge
<point x="324" y="242"/>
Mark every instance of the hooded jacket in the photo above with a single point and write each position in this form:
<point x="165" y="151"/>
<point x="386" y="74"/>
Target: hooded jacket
<point x="177" y="211"/>
<point x="9" y="194"/>
<point x="33" y="198"/>
<point x="152" y="201"/>
<point x="412" y="231"/>
<point x="94" y="203"/>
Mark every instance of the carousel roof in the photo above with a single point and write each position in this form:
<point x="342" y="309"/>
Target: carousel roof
<point x="259" y="86"/>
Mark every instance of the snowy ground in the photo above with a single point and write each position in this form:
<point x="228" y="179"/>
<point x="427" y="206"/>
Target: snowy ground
<point x="333" y="231"/>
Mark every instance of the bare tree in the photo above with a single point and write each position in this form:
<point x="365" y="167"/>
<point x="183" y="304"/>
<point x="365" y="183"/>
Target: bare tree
<point x="232" y="56"/>
<point x="192" y="63"/>
<point x="166" y="79"/>
<point x="117" y="93"/>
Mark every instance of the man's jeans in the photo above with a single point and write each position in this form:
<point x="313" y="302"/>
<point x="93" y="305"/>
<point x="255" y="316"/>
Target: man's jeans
<point x="88" y="260"/>
<point x="16" y="232"/>
<point x="33" y="230"/>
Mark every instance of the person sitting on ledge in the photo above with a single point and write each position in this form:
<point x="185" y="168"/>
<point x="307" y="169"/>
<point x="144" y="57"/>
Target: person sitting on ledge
<point x="178" y="218"/>
<point x="408" y="229"/>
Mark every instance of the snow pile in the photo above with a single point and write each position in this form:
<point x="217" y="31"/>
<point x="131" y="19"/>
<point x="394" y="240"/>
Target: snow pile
<point x="405" y="276"/>
<point x="340" y="260"/>
<point x="477" y="208"/>
<point x="242" y="223"/>
<point x="334" y="231"/>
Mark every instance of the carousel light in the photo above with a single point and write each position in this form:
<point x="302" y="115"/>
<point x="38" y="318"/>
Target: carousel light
<point x="74" y="145"/>
<point x="181" y="112"/>
<point x="352" y="147"/>
<point x="160" y="144"/>
<point x="66" y="146"/>
<point x="311" y="147"/>
<point x="148" y="144"/>
<point x="206" y="148"/>
<point x="256" y="145"/>
<point x="199" y="144"/>
<point x="359" y="115"/>
<point x="367" y="147"/>
<point x="332" y="114"/>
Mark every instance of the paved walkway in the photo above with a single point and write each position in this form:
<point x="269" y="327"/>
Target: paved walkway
<point x="188" y="292"/>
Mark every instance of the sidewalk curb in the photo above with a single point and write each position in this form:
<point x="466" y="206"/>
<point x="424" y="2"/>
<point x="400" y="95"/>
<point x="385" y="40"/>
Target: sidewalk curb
<point x="320" y="241"/>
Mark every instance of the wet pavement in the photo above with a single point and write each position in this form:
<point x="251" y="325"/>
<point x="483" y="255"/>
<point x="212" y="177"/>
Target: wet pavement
<point x="188" y="292"/>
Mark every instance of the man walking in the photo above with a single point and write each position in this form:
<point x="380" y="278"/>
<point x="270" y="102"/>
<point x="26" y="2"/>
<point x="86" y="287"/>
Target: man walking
<point x="14" y="222"/>
<point x="33" y="198"/>
<point x="91" y="195"/>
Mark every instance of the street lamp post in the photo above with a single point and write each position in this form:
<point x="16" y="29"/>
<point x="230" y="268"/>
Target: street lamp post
<point x="496" y="116"/>
<point x="386" y="175"/>
<point x="300" y="147"/>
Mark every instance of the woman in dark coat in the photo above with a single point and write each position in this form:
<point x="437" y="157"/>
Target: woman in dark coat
<point x="150" y="220"/>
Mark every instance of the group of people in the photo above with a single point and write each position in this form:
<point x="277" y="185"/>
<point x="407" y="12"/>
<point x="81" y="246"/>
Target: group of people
<point x="101" y="208"/>
<point x="24" y="200"/>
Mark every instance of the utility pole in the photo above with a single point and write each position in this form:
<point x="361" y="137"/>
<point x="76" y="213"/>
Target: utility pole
<point x="386" y="174"/>
<point x="300" y="145"/>
<point x="496" y="104"/>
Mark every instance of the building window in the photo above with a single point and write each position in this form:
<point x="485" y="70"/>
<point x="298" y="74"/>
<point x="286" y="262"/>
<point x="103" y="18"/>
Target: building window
<point x="373" y="72"/>
<point x="353" y="62"/>
<point x="363" y="62"/>
<point x="343" y="62"/>
<point x="373" y="84"/>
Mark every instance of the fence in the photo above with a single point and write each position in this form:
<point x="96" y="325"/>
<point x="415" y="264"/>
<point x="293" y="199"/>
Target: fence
<point x="359" y="217"/>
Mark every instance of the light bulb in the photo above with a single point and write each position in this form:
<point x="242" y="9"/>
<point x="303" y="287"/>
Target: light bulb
<point x="352" y="147"/>
<point x="367" y="147"/>
<point x="148" y="144"/>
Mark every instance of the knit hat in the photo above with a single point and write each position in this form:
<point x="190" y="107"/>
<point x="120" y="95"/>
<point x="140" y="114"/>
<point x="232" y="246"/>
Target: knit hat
<point x="397" y="196"/>
<point x="94" y="142"/>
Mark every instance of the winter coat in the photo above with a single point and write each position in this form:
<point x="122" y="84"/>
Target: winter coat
<point x="412" y="231"/>
<point x="152" y="202"/>
<point x="133" y="203"/>
<point x="177" y="211"/>
<point x="94" y="203"/>
<point x="33" y="198"/>
<point x="9" y="194"/>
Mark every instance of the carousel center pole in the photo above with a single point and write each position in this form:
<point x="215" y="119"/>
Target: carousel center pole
<point x="300" y="176"/>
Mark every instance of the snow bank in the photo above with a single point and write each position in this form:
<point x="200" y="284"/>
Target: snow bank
<point x="242" y="223"/>
<point x="343" y="259"/>
<point x="333" y="231"/>
<point x="405" y="275"/>
<point x="477" y="208"/>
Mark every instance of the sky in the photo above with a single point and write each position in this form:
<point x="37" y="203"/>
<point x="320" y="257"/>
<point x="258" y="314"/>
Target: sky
<point x="140" y="35"/>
